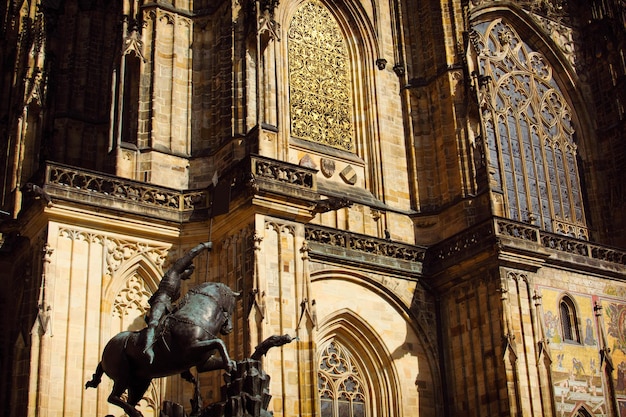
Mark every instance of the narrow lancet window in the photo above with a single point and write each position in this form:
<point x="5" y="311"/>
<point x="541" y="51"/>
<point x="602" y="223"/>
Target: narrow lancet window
<point x="569" y="321"/>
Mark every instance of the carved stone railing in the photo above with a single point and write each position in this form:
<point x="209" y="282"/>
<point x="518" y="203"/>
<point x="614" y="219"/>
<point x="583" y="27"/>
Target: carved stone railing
<point x="490" y="232"/>
<point x="283" y="172"/>
<point x="560" y="243"/>
<point x="251" y="174"/>
<point x="565" y="244"/>
<point x="256" y="173"/>
<point x="517" y="230"/>
<point x="81" y="185"/>
<point x="84" y="185"/>
<point x="364" y="243"/>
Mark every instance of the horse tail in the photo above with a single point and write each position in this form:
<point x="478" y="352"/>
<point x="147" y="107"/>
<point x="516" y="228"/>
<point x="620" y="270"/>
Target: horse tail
<point x="96" y="378"/>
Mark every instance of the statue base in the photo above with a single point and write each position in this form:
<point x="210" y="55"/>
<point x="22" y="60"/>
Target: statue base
<point x="244" y="394"/>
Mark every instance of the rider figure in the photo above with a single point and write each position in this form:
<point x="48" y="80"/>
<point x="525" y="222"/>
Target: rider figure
<point x="161" y="302"/>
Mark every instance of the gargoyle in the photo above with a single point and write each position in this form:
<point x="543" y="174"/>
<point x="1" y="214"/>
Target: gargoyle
<point x="331" y="204"/>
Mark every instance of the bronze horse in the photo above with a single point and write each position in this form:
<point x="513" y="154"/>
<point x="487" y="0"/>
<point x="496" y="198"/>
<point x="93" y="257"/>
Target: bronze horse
<point x="186" y="338"/>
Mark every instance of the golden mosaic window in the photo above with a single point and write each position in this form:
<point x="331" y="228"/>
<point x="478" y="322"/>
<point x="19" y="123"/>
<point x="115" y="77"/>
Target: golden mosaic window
<point x="529" y="132"/>
<point x="341" y="388"/>
<point x="320" y="94"/>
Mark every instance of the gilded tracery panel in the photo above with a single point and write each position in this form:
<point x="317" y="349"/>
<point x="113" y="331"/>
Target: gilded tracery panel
<point x="319" y="78"/>
<point x="529" y="132"/>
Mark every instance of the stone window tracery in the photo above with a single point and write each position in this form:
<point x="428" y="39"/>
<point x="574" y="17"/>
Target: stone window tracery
<point x="340" y="385"/>
<point x="130" y="305"/>
<point x="529" y="132"/>
<point x="320" y="94"/>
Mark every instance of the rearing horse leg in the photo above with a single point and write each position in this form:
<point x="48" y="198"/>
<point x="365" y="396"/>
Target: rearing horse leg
<point x="115" y="398"/>
<point x="213" y="363"/>
<point x="196" y="401"/>
<point x="136" y="390"/>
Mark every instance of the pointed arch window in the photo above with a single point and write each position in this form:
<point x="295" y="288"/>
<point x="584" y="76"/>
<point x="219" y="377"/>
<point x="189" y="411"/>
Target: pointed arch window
<point x="529" y="132"/>
<point x="320" y="95"/>
<point x="130" y="104"/>
<point x="569" y="320"/>
<point x="341" y="387"/>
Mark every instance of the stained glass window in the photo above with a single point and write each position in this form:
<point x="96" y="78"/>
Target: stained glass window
<point x="529" y="132"/>
<point x="320" y="94"/>
<point x="341" y="389"/>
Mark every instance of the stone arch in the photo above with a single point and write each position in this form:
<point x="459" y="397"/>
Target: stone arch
<point x="532" y="33"/>
<point x="378" y="325"/>
<point x="389" y="296"/>
<point x="351" y="17"/>
<point x="582" y="411"/>
<point x="138" y="264"/>
<point x="372" y="359"/>
<point x="569" y="317"/>
<point x="136" y="276"/>
<point x="124" y="304"/>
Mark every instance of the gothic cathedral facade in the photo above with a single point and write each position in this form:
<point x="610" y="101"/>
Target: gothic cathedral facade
<point x="430" y="195"/>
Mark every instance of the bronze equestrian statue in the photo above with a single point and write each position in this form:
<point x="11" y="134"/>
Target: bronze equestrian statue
<point x="186" y="337"/>
<point x="168" y="292"/>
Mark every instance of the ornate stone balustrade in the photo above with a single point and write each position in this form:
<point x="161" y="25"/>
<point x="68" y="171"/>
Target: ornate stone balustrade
<point x="559" y="242"/>
<point x="71" y="183"/>
<point x="280" y="171"/>
<point x="256" y="174"/>
<point x="464" y="243"/>
<point x="82" y="185"/>
<point x="253" y="173"/>
<point x="461" y="246"/>
<point x="363" y="243"/>
<point x="608" y="254"/>
<point x="565" y="244"/>
<point x="517" y="230"/>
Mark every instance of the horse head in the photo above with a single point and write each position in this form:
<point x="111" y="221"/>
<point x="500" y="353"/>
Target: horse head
<point x="228" y="307"/>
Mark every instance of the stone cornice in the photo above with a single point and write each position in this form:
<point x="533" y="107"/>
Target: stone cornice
<point x="254" y="177"/>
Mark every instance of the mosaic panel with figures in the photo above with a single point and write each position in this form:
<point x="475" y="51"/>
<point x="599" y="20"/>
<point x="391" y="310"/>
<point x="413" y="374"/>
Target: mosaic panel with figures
<point x="576" y="371"/>
<point x="614" y="312"/>
<point x="576" y="366"/>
